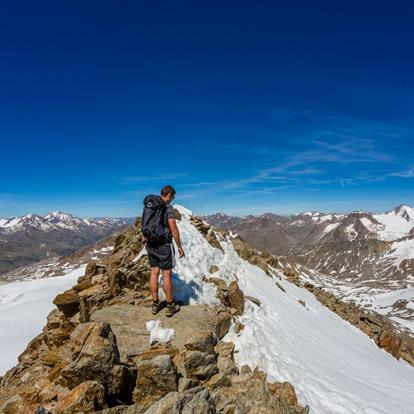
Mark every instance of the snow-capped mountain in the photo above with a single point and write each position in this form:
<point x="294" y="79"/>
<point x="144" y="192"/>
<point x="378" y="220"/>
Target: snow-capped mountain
<point x="361" y="257"/>
<point x="30" y="238"/>
<point x="282" y="329"/>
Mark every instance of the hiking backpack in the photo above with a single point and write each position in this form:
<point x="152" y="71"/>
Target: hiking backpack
<point x="153" y="225"/>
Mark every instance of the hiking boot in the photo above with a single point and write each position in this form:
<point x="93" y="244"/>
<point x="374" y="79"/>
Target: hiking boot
<point x="172" y="308"/>
<point x="155" y="308"/>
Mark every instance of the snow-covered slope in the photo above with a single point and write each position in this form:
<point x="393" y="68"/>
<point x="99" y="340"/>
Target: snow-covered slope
<point x="333" y="366"/>
<point x="24" y="306"/>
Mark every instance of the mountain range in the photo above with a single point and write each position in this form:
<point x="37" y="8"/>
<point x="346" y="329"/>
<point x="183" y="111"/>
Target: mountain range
<point x="361" y="257"/>
<point x="30" y="238"/>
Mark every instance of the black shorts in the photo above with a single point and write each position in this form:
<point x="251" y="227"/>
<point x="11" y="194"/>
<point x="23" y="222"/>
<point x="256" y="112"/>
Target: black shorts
<point x="162" y="255"/>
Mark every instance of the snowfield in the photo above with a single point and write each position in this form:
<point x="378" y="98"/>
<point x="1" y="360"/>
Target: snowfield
<point x="24" y="306"/>
<point x="334" y="367"/>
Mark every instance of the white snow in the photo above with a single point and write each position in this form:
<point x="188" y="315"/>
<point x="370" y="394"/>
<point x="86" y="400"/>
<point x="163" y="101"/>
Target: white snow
<point x="158" y="333"/>
<point x="351" y="232"/>
<point x="334" y="367"/>
<point x="401" y="250"/>
<point x="330" y="227"/>
<point x="396" y="223"/>
<point x="24" y="306"/>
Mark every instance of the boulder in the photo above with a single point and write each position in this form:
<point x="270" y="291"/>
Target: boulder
<point x="225" y="357"/>
<point x="68" y="302"/>
<point x="199" y="365"/>
<point x="94" y="353"/>
<point x="85" y="398"/>
<point x="236" y="297"/>
<point x="203" y="341"/>
<point x="155" y="378"/>
<point x="194" y="401"/>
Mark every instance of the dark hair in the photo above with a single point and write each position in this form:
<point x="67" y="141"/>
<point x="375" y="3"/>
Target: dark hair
<point x="167" y="189"/>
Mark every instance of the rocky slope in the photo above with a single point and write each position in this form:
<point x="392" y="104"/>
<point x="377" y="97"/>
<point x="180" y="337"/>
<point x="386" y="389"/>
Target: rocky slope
<point x="94" y="352"/>
<point x="31" y="238"/>
<point x="361" y="257"/>
<point x="243" y="336"/>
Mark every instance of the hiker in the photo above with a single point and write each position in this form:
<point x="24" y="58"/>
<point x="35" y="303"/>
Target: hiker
<point x="159" y="228"/>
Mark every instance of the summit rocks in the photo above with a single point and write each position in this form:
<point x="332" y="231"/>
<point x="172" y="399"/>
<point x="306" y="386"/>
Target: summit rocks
<point x="94" y="354"/>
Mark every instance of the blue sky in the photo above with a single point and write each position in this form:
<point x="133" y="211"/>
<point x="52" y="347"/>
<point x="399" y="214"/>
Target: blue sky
<point x="243" y="107"/>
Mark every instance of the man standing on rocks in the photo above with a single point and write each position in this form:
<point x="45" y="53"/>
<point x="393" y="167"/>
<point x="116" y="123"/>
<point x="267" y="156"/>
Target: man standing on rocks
<point x="159" y="228"/>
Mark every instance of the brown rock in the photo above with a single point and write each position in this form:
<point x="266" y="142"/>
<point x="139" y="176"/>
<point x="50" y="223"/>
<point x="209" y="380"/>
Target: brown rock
<point x="390" y="342"/>
<point x="85" y="398"/>
<point x="213" y="269"/>
<point x="223" y="324"/>
<point x="285" y="392"/>
<point x="203" y="341"/>
<point x="155" y="378"/>
<point x="67" y="302"/>
<point x="236" y="297"/>
<point x="199" y="365"/>
<point x="94" y="354"/>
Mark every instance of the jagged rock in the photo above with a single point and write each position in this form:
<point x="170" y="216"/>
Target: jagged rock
<point x="194" y="401"/>
<point x="249" y="393"/>
<point x="219" y="380"/>
<point x="199" y="365"/>
<point x="212" y="239"/>
<point x="225" y="357"/>
<point x="94" y="354"/>
<point x="223" y="324"/>
<point x="57" y="329"/>
<point x="213" y="269"/>
<point x="155" y="378"/>
<point x="85" y="398"/>
<point x="236" y="297"/>
<point x="390" y="342"/>
<point x="285" y="392"/>
<point x="204" y="341"/>
<point x="68" y="302"/>
<point x="92" y="298"/>
<point x="186" y="383"/>
<point x="121" y="383"/>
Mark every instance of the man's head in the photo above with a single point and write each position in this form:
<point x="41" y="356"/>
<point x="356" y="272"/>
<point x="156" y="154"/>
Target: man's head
<point x="167" y="193"/>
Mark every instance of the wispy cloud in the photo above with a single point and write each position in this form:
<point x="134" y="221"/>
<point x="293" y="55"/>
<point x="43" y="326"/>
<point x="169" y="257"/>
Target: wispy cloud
<point x="409" y="173"/>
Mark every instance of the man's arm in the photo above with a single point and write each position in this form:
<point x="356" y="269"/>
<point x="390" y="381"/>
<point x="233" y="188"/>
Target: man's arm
<point x="176" y="234"/>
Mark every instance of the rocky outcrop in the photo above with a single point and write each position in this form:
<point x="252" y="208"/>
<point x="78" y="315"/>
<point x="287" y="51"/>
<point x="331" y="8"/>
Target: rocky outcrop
<point x="94" y="354"/>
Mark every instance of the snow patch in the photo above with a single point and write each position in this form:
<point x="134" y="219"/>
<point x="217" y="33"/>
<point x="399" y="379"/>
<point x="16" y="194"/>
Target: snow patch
<point x="158" y="333"/>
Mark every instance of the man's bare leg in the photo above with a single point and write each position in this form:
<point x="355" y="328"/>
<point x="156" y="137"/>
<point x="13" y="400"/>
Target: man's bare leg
<point x="167" y="283"/>
<point x="155" y="271"/>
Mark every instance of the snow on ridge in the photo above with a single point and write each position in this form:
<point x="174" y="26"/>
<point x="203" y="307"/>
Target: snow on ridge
<point x="334" y="367"/>
<point x="401" y="250"/>
<point x="331" y="227"/>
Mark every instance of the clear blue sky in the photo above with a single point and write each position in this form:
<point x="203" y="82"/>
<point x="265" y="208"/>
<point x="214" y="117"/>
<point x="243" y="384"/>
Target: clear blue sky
<point x="244" y="107"/>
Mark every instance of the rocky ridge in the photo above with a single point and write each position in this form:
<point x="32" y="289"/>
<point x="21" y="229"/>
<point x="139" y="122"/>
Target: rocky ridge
<point x="94" y="353"/>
